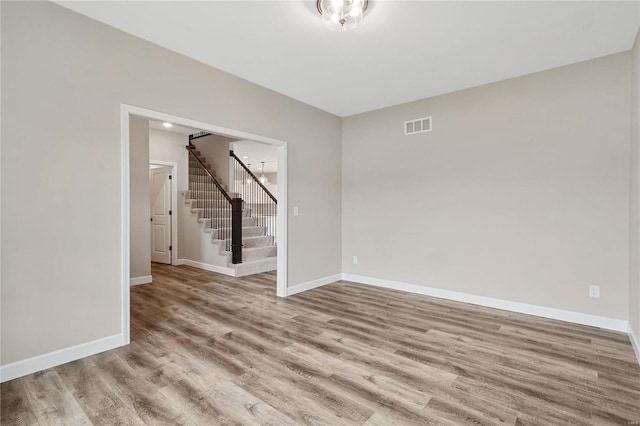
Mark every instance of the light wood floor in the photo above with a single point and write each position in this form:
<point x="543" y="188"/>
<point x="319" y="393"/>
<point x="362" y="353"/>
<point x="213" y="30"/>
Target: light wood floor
<point x="208" y="349"/>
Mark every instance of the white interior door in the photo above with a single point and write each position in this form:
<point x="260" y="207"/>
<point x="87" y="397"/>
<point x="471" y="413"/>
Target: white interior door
<point x="160" y="184"/>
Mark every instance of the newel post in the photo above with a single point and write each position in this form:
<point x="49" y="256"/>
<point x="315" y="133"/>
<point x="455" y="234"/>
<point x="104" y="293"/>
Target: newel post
<point x="236" y="230"/>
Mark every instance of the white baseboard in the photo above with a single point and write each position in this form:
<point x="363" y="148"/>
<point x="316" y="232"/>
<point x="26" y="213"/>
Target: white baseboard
<point x="62" y="356"/>
<point x="207" y="267"/>
<point x="523" y="308"/>
<point x="145" y="279"/>
<point x="313" y="284"/>
<point x="634" y="343"/>
<point x="59" y="357"/>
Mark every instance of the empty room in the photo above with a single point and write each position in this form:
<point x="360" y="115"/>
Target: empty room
<point x="331" y="212"/>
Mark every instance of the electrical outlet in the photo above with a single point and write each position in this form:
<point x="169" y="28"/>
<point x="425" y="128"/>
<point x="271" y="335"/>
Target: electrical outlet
<point x="295" y="211"/>
<point x="594" y="291"/>
<point x="355" y="260"/>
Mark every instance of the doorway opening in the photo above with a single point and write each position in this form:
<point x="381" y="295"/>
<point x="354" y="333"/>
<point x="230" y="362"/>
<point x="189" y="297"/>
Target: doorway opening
<point x="127" y="113"/>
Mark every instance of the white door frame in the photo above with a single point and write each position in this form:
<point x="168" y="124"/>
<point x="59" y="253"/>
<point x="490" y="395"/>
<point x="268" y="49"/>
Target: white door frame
<point x="281" y="219"/>
<point x="174" y="206"/>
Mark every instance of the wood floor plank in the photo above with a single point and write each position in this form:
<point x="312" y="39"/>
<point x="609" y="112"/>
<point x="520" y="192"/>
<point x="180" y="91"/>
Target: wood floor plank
<point x="235" y="403"/>
<point x="138" y="394"/>
<point x="16" y="408"/>
<point x="211" y="350"/>
<point x="51" y="401"/>
<point x="308" y="381"/>
<point x="364" y="376"/>
<point x="85" y="386"/>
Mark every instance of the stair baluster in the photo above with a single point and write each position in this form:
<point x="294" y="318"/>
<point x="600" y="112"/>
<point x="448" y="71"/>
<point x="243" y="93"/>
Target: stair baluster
<point x="217" y="204"/>
<point x="257" y="198"/>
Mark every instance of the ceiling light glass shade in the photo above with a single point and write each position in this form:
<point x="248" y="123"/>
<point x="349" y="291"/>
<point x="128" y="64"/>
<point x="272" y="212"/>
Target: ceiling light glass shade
<point x="342" y="15"/>
<point x="263" y="179"/>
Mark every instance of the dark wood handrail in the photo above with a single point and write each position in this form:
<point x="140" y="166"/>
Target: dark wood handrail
<point x="198" y="135"/>
<point x="215" y="181"/>
<point x="253" y="177"/>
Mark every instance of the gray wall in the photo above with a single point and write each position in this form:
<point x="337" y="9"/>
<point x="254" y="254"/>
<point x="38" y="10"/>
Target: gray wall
<point x="520" y="192"/>
<point x="273" y="183"/>
<point x="634" y="246"/>
<point x="215" y="150"/>
<point x="140" y="202"/>
<point x="170" y="146"/>
<point x="64" y="77"/>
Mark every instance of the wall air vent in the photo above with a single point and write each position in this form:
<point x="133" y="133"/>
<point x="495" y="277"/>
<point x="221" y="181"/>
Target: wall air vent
<point x="419" y="125"/>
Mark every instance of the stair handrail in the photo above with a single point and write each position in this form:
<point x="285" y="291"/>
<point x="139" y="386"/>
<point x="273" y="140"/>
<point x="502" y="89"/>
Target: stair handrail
<point x="198" y="135"/>
<point x="236" y="210"/>
<point x="253" y="177"/>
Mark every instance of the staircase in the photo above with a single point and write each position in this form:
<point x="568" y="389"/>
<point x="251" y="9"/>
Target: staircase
<point x="211" y="209"/>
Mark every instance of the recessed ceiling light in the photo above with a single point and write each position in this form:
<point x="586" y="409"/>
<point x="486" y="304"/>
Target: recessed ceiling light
<point x="244" y="157"/>
<point x="167" y="125"/>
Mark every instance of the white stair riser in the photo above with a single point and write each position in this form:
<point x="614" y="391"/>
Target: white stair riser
<point x="255" y="254"/>
<point x="263" y="265"/>
<point x="204" y="192"/>
<point x="226" y="222"/>
<point x="259" y="253"/>
<point x="221" y="212"/>
<point x="247" y="231"/>
<point x="212" y="200"/>
<point x="264" y="241"/>
<point x="247" y="242"/>
<point x="217" y="206"/>
<point x="205" y="186"/>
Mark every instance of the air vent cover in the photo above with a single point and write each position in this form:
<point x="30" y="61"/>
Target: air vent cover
<point x="419" y="125"/>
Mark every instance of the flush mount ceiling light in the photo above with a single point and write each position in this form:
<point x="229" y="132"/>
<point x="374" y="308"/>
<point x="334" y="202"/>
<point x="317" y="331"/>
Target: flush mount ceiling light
<point x="342" y="15"/>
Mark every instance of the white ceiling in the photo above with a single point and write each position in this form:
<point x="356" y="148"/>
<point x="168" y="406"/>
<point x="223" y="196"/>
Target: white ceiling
<point x="403" y="50"/>
<point x="249" y="152"/>
<point x="254" y="153"/>
<point x="174" y="128"/>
